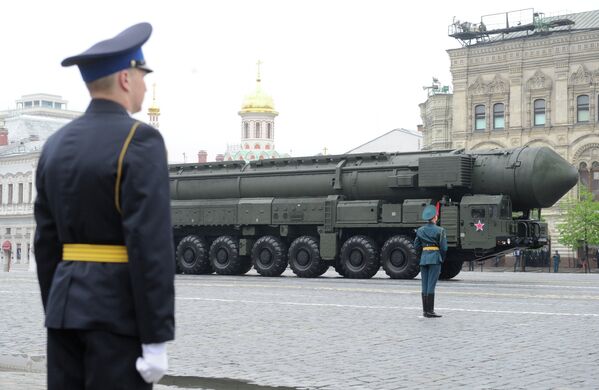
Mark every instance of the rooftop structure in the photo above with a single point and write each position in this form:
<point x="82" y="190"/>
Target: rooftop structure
<point x="513" y="24"/>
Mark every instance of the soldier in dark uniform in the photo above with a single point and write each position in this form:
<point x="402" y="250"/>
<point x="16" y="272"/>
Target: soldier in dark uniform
<point x="103" y="241"/>
<point x="431" y="240"/>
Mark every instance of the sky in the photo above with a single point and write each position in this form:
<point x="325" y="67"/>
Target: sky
<point x="341" y="72"/>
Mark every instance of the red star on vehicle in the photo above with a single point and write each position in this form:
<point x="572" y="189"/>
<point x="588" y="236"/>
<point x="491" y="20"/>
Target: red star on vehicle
<point x="479" y="226"/>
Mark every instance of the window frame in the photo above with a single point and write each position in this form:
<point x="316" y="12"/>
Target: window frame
<point x="257" y="130"/>
<point x="537" y="111"/>
<point x="480" y="116"/>
<point x="583" y="107"/>
<point x="496" y="116"/>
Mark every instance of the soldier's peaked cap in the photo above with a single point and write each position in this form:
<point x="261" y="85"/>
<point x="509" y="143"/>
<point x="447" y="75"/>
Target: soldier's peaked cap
<point x="112" y="55"/>
<point x="429" y="212"/>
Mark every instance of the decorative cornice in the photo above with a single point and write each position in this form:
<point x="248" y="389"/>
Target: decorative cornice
<point x="497" y="86"/>
<point x="581" y="77"/>
<point x="478" y="87"/>
<point x="583" y="149"/>
<point x="539" y="81"/>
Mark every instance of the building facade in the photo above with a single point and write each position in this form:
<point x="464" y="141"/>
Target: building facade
<point x="22" y="134"/>
<point x="525" y="88"/>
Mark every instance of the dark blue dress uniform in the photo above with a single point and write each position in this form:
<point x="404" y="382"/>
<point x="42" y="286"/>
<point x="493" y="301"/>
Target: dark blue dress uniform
<point x="432" y="241"/>
<point x="104" y="243"/>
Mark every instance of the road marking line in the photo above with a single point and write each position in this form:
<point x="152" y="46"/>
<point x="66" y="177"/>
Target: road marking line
<point x="394" y="290"/>
<point x="384" y="307"/>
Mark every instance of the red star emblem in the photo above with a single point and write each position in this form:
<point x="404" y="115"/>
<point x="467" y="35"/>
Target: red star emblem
<point x="479" y="226"/>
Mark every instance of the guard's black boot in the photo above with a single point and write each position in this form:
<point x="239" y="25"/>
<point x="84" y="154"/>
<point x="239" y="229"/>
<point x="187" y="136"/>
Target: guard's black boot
<point x="430" y="312"/>
<point x="424" y="305"/>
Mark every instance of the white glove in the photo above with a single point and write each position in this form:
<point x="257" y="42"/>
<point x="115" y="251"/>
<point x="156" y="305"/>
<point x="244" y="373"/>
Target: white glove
<point x="153" y="365"/>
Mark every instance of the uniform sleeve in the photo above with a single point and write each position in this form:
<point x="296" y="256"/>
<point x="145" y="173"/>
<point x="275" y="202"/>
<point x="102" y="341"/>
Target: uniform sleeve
<point x="417" y="243"/>
<point x="145" y="205"/>
<point x="46" y="244"/>
<point x="443" y="243"/>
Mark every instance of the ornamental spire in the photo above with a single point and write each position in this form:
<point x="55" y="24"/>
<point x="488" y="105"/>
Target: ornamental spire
<point x="258" y="73"/>
<point x="154" y="110"/>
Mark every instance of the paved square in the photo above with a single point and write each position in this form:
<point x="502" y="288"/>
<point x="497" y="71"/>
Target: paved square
<point x="500" y="330"/>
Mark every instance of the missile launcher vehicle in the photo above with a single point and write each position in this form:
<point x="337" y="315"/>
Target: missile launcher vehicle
<point x="359" y="212"/>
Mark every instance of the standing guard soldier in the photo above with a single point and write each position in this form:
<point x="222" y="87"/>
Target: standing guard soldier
<point x="431" y="240"/>
<point x="556" y="260"/>
<point x="103" y="243"/>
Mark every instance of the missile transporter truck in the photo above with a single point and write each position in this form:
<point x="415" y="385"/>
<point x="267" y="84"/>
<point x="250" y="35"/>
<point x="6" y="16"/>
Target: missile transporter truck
<point x="359" y="212"/>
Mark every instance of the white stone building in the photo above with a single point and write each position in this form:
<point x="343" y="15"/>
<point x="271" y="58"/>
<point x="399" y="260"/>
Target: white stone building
<point x="22" y="134"/>
<point x="533" y="82"/>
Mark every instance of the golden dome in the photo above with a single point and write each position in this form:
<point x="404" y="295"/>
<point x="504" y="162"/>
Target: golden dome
<point x="154" y="109"/>
<point x="258" y="101"/>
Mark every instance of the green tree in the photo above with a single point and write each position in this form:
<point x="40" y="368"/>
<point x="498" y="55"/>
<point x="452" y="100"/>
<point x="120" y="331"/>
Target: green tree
<point x="581" y="223"/>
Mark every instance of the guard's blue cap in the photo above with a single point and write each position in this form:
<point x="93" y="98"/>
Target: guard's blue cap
<point x="110" y="56"/>
<point x="429" y="212"/>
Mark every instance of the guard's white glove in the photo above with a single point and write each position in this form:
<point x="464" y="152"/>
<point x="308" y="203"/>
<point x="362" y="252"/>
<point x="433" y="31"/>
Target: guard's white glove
<point x="153" y="365"/>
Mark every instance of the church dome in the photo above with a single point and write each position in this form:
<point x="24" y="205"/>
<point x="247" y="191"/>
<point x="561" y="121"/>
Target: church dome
<point x="259" y="101"/>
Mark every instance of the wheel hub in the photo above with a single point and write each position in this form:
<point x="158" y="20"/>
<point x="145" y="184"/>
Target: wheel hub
<point x="398" y="258"/>
<point x="356" y="258"/>
<point x="303" y="257"/>
<point x="189" y="256"/>
<point x="222" y="256"/>
<point x="265" y="257"/>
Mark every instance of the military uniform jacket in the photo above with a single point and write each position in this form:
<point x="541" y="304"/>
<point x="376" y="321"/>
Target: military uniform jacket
<point x="75" y="203"/>
<point x="427" y="236"/>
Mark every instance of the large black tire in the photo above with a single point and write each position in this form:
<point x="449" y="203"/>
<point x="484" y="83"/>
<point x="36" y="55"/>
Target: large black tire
<point x="399" y="258"/>
<point x="192" y="256"/>
<point x="359" y="258"/>
<point x="225" y="259"/>
<point x="454" y="260"/>
<point x="304" y="258"/>
<point x="269" y="256"/>
<point x="450" y="269"/>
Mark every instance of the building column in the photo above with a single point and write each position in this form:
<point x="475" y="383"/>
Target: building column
<point x="515" y="101"/>
<point x="32" y="263"/>
<point x="561" y="94"/>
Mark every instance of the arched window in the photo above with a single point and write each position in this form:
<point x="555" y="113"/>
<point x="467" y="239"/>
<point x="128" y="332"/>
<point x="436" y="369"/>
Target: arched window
<point x="261" y="157"/>
<point x="594" y="179"/>
<point x="247" y="146"/>
<point x="269" y="130"/>
<point x="498" y="116"/>
<point x="252" y="157"/>
<point x="257" y="146"/>
<point x="267" y="147"/>
<point x="257" y="130"/>
<point x="588" y="177"/>
<point x="246" y="130"/>
<point x="582" y="108"/>
<point x="480" y="122"/>
<point x="539" y="107"/>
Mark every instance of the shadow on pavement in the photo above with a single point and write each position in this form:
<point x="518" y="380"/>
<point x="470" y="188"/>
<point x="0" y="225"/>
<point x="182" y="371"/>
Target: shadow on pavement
<point x="194" y="382"/>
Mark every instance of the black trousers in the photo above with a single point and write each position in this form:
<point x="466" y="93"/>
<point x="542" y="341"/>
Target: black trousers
<point x="93" y="360"/>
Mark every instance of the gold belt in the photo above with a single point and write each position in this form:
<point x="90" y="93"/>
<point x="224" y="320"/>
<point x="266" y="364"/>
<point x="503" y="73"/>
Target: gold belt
<point x="430" y="248"/>
<point x="95" y="253"/>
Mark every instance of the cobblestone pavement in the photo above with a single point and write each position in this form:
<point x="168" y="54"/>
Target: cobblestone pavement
<point x="500" y="330"/>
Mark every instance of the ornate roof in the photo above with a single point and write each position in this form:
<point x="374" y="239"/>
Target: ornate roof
<point x="258" y="101"/>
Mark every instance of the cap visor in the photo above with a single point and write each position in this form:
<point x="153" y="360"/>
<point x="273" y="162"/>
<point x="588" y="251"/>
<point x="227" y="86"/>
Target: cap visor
<point x="144" y="68"/>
